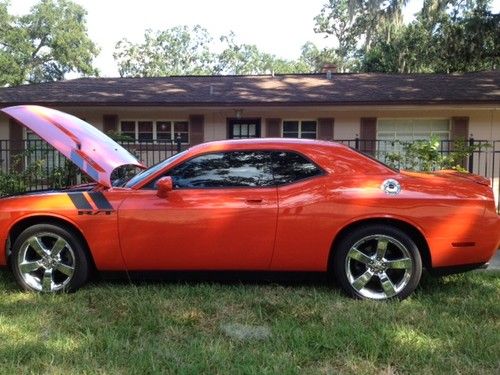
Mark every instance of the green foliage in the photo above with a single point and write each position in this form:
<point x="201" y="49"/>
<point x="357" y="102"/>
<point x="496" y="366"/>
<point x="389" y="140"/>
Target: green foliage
<point x="336" y="19"/>
<point x="119" y="137"/>
<point x="315" y="59"/>
<point x="449" y="326"/>
<point x="433" y="154"/>
<point x="176" y="51"/>
<point x="187" y="51"/>
<point x="45" y="44"/>
<point x="64" y="176"/>
<point x="447" y="35"/>
<point x="467" y="38"/>
<point x="20" y="177"/>
<point x="248" y="59"/>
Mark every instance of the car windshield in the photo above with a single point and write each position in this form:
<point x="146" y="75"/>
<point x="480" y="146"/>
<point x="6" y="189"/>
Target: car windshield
<point x="150" y="171"/>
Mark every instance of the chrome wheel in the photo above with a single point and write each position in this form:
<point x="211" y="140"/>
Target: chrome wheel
<point x="46" y="262"/>
<point x="378" y="266"/>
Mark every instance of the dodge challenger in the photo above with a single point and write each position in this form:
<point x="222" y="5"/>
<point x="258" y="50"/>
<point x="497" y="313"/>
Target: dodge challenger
<point x="243" y="205"/>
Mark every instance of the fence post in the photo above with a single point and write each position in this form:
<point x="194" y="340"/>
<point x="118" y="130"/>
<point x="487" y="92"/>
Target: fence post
<point x="471" y="156"/>
<point x="179" y="143"/>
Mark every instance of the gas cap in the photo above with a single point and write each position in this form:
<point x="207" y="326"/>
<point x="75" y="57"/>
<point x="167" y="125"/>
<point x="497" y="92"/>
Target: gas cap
<point x="391" y="187"/>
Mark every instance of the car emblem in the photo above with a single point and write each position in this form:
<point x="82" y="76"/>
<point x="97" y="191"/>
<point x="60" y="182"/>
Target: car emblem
<point x="391" y="187"/>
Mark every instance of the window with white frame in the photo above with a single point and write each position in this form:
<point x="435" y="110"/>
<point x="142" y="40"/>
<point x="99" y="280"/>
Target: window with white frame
<point x="300" y="129"/>
<point x="407" y="130"/>
<point x="159" y="131"/>
<point x="412" y="129"/>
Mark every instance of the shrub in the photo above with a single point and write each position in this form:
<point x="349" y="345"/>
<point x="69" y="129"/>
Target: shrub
<point x="433" y="154"/>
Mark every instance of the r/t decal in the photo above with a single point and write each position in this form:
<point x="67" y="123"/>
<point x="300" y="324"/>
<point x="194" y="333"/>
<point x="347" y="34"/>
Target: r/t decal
<point x="84" y="207"/>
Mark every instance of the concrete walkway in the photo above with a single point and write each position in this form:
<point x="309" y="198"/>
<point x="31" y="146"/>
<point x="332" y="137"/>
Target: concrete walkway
<point x="495" y="262"/>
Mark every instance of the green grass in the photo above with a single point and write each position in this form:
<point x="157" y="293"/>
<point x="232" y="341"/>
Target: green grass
<point x="451" y="325"/>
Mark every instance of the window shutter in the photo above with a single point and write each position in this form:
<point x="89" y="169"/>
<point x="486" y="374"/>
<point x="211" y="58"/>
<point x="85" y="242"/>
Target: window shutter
<point x="325" y="128"/>
<point x="459" y="128"/>
<point x="196" y="129"/>
<point x="273" y="127"/>
<point x="109" y="123"/>
<point x="368" y="135"/>
<point x="16" y="143"/>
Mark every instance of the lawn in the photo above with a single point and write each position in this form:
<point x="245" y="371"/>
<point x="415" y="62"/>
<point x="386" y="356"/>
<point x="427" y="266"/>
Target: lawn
<point x="451" y="325"/>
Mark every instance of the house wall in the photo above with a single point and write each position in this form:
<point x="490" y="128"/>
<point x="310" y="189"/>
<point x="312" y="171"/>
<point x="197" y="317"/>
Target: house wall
<point x="484" y="123"/>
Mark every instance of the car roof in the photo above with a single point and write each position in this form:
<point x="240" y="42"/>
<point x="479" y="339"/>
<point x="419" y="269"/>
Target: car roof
<point x="262" y="143"/>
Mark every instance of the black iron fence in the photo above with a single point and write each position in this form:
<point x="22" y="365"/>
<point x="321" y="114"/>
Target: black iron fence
<point x="33" y="164"/>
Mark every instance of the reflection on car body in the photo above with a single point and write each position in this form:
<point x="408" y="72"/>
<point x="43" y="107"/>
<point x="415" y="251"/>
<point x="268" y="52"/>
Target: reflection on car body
<point x="255" y="205"/>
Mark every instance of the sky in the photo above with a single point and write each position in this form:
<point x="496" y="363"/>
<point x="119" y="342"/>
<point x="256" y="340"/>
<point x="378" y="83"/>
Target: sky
<point x="279" y="27"/>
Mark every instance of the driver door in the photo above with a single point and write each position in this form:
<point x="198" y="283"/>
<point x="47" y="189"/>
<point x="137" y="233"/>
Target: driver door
<point x="221" y="215"/>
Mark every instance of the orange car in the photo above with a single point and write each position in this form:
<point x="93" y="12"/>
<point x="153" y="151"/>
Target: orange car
<point x="261" y="204"/>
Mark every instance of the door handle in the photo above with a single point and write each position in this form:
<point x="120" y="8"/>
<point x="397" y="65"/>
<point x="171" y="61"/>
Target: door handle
<point x="254" y="200"/>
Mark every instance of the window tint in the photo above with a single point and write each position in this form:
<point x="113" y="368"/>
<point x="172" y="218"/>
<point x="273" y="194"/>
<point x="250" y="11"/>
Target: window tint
<point x="225" y="169"/>
<point x="290" y="167"/>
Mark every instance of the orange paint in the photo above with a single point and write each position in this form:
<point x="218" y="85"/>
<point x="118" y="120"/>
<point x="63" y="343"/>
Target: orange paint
<point x="288" y="227"/>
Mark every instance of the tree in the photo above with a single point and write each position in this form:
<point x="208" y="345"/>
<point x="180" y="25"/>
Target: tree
<point x="315" y="59"/>
<point x="339" y="20"/>
<point x="447" y="36"/>
<point x="176" y="51"/>
<point x="186" y="51"/>
<point x="248" y="59"/>
<point x="356" y="23"/>
<point x="46" y="44"/>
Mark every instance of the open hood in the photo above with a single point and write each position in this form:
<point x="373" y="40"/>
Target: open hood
<point x="94" y="152"/>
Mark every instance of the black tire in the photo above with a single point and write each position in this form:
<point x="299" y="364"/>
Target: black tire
<point x="49" y="258"/>
<point x="362" y="273"/>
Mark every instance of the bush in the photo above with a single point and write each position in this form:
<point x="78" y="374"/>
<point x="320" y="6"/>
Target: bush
<point x="19" y="178"/>
<point x="431" y="155"/>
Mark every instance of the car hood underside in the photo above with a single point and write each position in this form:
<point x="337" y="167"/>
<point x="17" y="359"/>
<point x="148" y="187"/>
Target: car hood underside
<point x="92" y="151"/>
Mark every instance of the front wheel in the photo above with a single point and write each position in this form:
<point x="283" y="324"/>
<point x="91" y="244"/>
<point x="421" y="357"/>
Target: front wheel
<point x="49" y="258"/>
<point x="377" y="262"/>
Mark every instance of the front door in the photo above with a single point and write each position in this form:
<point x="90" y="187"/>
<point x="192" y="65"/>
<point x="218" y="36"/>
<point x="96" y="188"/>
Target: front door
<point x="241" y="128"/>
<point x="222" y="214"/>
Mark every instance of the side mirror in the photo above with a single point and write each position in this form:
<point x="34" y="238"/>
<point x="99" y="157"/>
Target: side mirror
<point x="164" y="185"/>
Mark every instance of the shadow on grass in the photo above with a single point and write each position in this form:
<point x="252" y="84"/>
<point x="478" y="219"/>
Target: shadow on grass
<point x="173" y="321"/>
<point x="428" y="284"/>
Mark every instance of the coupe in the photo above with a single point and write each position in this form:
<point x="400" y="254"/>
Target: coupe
<point x="243" y="205"/>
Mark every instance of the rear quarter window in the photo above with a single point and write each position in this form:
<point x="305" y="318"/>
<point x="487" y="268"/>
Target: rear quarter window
<point x="289" y="167"/>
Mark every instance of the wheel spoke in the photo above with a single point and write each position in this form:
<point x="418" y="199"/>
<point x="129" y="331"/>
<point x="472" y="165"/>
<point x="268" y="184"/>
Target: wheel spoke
<point x="58" y="246"/>
<point x="387" y="285"/>
<point x="37" y="245"/>
<point x="402" y="264"/>
<point x="359" y="256"/>
<point x="27" y="267"/>
<point x="362" y="280"/>
<point x="47" y="280"/>
<point x="64" y="268"/>
<point x="381" y="248"/>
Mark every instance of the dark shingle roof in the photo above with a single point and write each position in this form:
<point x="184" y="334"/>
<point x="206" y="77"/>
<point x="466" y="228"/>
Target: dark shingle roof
<point x="307" y="89"/>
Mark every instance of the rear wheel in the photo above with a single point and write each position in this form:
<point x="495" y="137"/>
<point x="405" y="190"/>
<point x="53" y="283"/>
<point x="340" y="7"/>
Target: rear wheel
<point x="49" y="258"/>
<point x="377" y="262"/>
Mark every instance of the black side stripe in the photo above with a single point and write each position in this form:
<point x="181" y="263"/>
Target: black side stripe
<point x="80" y="202"/>
<point x="100" y="201"/>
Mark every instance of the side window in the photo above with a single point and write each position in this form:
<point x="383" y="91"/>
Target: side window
<point x="224" y="169"/>
<point x="289" y="167"/>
